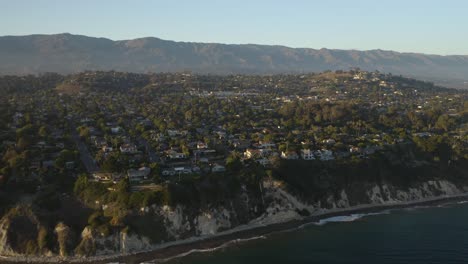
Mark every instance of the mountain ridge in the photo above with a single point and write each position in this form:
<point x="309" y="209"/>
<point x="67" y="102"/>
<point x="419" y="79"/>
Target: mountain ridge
<point x="67" y="53"/>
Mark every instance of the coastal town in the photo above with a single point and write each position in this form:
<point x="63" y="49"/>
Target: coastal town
<point x="116" y="143"/>
<point x="184" y="125"/>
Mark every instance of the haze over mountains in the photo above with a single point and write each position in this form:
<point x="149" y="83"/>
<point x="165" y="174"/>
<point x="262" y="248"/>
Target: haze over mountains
<point x="66" y="53"/>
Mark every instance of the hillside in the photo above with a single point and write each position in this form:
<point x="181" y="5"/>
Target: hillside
<point x="66" y="53"/>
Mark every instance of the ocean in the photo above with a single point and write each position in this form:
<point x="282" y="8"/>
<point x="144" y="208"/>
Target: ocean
<point x="419" y="235"/>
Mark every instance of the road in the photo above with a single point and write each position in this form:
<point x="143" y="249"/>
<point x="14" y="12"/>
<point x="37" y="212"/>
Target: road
<point x="85" y="155"/>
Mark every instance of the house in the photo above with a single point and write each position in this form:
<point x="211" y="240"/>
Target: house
<point x="307" y="154"/>
<point x="263" y="161"/>
<point x="329" y="141"/>
<point x="218" y="168"/>
<point x="289" y="155"/>
<point x="266" y="145"/>
<point x="172" y="133"/>
<point x="176" y="171"/>
<point x="106" y="149"/>
<point x="99" y="142"/>
<point x="176" y="155"/>
<point x="102" y="176"/>
<point x="116" y="130"/>
<point x="324" y="154"/>
<point x="252" y="153"/>
<point x="221" y="134"/>
<point x="128" y="148"/>
<point x="183" y="170"/>
<point x="354" y="150"/>
<point x="168" y="172"/>
<point x="138" y="175"/>
<point x="240" y="144"/>
<point x="69" y="165"/>
<point x="202" y="145"/>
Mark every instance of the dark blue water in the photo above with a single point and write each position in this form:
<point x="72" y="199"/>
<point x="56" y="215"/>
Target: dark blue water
<point x="419" y="235"/>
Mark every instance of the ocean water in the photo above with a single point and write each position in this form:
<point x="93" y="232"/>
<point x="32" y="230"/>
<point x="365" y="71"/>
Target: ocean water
<point x="421" y="235"/>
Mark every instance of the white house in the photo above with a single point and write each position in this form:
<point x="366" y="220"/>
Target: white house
<point x="324" y="154"/>
<point x="307" y="154"/>
<point x="115" y="130"/>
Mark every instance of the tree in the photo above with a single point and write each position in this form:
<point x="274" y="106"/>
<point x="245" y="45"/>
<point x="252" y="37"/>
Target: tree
<point x="80" y="184"/>
<point x="43" y="131"/>
<point x="445" y="123"/>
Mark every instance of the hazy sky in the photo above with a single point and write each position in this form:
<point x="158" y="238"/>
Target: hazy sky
<point x="429" y="26"/>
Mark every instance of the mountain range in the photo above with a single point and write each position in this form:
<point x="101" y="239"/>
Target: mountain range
<point x="67" y="53"/>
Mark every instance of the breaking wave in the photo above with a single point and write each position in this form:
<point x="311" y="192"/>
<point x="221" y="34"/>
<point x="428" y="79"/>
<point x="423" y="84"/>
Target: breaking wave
<point x="207" y="250"/>
<point x="346" y="218"/>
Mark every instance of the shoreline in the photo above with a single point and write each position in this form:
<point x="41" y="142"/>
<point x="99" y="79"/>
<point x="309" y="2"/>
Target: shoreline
<point x="244" y="232"/>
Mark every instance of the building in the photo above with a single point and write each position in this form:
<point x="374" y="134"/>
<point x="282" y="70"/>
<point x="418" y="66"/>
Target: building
<point x="107" y="149"/>
<point x="324" y="154"/>
<point x="289" y="155"/>
<point x="307" y="154"/>
<point x="176" y="155"/>
<point x="138" y="175"/>
<point x="263" y="161"/>
<point x="128" y="148"/>
<point x="218" y="168"/>
<point x="116" y="130"/>
<point x="252" y="153"/>
<point x="102" y="176"/>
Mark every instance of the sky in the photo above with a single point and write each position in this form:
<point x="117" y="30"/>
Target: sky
<point x="426" y="26"/>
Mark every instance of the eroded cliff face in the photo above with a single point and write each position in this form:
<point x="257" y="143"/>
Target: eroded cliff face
<point x="276" y="205"/>
<point x="19" y="233"/>
<point x="285" y="206"/>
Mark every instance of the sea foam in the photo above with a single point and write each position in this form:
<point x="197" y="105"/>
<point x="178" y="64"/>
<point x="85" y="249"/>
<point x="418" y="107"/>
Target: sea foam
<point x="346" y="218"/>
<point x="206" y="250"/>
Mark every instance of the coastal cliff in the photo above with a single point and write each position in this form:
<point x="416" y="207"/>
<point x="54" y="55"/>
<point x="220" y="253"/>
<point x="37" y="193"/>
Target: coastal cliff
<point x="276" y="205"/>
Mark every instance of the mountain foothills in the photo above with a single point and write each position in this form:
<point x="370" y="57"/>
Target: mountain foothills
<point x="102" y="163"/>
<point x="66" y="53"/>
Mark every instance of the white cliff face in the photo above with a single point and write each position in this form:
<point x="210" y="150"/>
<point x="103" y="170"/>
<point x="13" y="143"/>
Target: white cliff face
<point x="5" y="248"/>
<point x="284" y="206"/>
<point x="388" y="194"/>
<point x="211" y="222"/>
<point x="132" y="243"/>
<point x="281" y="206"/>
<point x="175" y="221"/>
